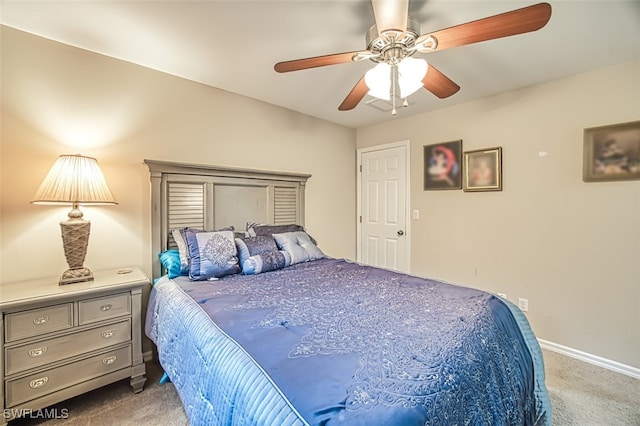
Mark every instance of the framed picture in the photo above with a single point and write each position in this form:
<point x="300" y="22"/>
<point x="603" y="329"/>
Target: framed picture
<point x="442" y="166"/>
<point x="483" y="170"/>
<point x="612" y="153"/>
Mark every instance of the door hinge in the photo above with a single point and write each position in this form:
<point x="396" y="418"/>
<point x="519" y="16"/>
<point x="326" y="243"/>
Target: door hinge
<point x="360" y="168"/>
<point x="360" y="219"/>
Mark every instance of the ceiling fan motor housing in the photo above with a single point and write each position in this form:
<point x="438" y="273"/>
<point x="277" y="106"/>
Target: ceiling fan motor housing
<point x="392" y="46"/>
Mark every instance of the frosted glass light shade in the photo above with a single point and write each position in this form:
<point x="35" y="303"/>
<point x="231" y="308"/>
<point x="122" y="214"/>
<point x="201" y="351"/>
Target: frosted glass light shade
<point x="378" y="80"/>
<point x="74" y="179"/>
<point x="411" y="72"/>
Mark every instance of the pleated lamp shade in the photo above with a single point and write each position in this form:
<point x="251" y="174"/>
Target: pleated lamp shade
<point x="75" y="180"/>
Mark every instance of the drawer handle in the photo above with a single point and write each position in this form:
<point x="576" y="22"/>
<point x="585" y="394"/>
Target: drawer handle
<point x="108" y="333"/>
<point x="36" y="352"/>
<point x="41" y="320"/>
<point x="109" y="360"/>
<point x="105" y="308"/>
<point x="35" y="384"/>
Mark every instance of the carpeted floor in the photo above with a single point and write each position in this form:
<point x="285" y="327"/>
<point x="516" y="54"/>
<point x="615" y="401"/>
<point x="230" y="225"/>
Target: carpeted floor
<point x="116" y="404"/>
<point x="581" y="395"/>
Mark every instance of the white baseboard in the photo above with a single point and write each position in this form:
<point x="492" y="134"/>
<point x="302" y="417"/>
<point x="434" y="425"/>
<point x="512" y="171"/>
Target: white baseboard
<point x="591" y="359"/>
<point x="147" y="356"/>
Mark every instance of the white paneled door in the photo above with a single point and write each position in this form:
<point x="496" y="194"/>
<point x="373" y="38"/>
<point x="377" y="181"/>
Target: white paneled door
<point x="383" y="239"/>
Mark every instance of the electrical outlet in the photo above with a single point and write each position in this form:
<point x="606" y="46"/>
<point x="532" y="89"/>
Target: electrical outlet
<point x="523" y="304"/>
<point x="503" y="295"/>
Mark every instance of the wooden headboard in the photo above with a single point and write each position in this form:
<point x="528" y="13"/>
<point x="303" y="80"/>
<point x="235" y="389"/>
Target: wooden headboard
<point x="213" y="197"/>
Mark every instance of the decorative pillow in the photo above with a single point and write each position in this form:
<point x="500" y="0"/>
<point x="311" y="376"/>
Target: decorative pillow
<point x="265" y="262"/>
<point x="253" y="225"/>
<point x="252" y="246"/>
<point x="211" y="254"/>
<point x="170" y="260"/>
<point x="241" y="235"/>
<point x="299" y="246"/>
<point x="181" y="241"/>
<point x="254" y="229"/>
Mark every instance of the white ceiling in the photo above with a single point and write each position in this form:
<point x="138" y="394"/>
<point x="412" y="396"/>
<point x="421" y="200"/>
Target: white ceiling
<point x="234" y="44"/>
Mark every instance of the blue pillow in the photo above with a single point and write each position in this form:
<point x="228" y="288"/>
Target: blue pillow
<point x="170" y="260"/>
<point x="251" y="246"/>
<point x="299" y="246"/>
<point x="179" y="236"/>
<point x="181" y="241"/>
<point x="257" y="229"/>
<point x="211" y="254"/>
<point x="265" y="262"/>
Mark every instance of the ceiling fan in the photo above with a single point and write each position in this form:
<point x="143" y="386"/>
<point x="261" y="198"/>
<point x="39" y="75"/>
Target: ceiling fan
<point x="395" y="38"/>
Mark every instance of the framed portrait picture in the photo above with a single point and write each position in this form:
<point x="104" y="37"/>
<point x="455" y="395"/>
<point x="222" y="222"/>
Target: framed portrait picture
<point x="443" y="166"/>
<point x="612" y="153"/>
<point x="483" y="170"/>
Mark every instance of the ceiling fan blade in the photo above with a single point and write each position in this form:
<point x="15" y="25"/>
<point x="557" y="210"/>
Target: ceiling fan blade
<point x="355" y="96"/>
<point x="390" y="15"/>
<point x="439" y="84"/>
<point x="519" y="21"/>
<point x="317" y="61"/>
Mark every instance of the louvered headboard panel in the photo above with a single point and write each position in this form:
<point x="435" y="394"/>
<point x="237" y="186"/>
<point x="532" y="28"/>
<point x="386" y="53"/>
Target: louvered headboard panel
<point x="212" y="197"/>
<point x="185" y="207"/>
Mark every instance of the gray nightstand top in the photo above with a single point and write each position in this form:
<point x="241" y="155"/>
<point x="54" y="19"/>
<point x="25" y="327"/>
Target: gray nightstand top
<point x="45" y="289"/>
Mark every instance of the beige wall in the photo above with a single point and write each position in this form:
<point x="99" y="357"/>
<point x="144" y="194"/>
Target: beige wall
<point x="571" y="248"/>
<point x="58" y="99"/>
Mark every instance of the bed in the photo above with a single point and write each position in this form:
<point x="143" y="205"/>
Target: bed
<point x="290" y="336"/>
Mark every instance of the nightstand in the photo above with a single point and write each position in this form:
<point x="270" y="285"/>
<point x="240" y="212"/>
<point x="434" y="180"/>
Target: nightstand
<point x="61" y="341"/>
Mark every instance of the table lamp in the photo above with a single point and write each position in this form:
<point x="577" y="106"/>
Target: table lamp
<point x="75" y="180"/>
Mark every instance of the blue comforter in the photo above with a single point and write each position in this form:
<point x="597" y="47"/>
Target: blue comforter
<point x="332" y="342"/>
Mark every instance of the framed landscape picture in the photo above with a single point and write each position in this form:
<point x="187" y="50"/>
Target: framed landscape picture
<point x="612" y="153"/>
<point x="442" y="166"/>
<point x="483" y="170"/>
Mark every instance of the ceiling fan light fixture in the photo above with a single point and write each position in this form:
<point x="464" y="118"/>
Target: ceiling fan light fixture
<point x="378" y="80"/>
<point x="395" y="36"/>
<point x="411" y="73"/>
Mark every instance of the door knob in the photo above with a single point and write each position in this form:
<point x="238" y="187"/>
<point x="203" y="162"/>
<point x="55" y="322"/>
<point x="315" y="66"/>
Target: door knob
<point x="400" y="233"/>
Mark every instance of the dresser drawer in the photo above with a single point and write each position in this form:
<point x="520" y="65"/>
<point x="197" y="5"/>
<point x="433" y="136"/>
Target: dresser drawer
<point x="102" y="308"/>
<point x="43" y="352"/>
<point x="36" y="322"/>
<point x="48" y="381"/>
